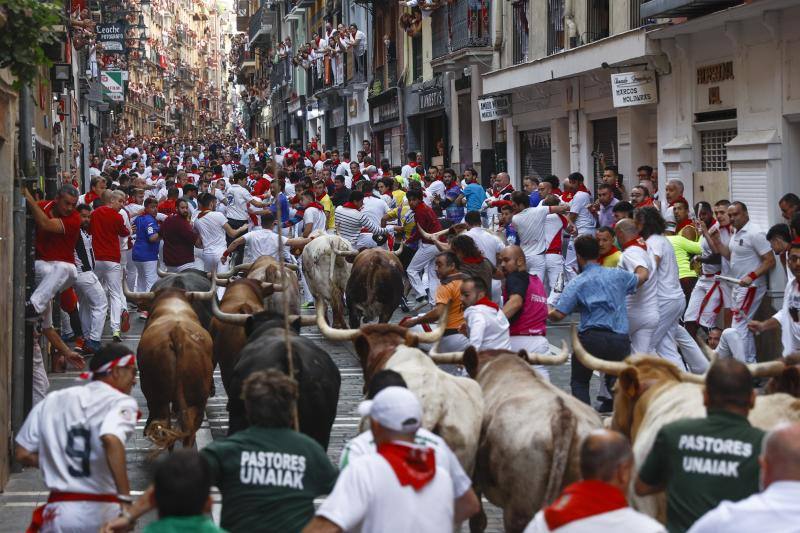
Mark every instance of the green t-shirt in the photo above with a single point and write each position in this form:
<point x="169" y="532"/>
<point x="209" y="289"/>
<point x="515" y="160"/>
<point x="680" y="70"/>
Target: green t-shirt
<point x="684" y="250"/>
<point x="269" y="478"/>
<point x="183" y="524"/>
<point x="702" y="461"/>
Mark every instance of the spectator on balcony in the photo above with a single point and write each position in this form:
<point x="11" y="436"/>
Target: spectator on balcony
<point x="358" y="45"/>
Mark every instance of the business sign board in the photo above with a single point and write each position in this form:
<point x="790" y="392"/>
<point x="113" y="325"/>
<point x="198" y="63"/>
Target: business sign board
<point x="113" y="87"/>
<point x="634" y="88"/>
<point x="494" y="107"/>
<point x="111" y="37"/>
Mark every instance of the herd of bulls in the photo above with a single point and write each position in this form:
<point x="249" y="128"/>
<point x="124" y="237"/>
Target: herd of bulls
<point x="514" y="432"/>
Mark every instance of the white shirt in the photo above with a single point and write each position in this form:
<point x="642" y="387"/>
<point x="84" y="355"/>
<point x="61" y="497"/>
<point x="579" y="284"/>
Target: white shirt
<point x="553" y="225"/>
<point x="774" y="510"/>
<point x="238" y="199"/>
<point x="368" y="498"/>
<point x="625" y="519"/>
<point x="316" y="217"/>
<point x="487" y="243"/>
<point x="747" y="246"/>
<point x="488" y="328"/>
<point x="65" y="430"/>
<point x="364" y="444"/>
<point x="123" y="241"/>
<point x="211" y="229"/>
<point x="375" y="208"/>
<point x="436" y="188"/>
<point x="585" y="222"/>
<point x="706" y="268"/>
<point x="530" y="224"/>
<point x="262" y="242"/>
<point x="790" y="330"/>
<point x="359" y="41"/>
<point x="645" y="299"/>
<point x="669" y="286"/>
<point x="406" y="171"/>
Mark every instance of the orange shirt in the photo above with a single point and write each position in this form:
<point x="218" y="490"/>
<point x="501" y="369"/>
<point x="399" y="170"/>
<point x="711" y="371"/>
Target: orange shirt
<point x="450" y="294"/>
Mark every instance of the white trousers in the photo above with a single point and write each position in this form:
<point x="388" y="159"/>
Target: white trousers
<point x="744" y="304"/>
<point x="705" y="302"/>
<point x="78" y="517"/>
<point x="211" y="263"/>
<point x="146" y="275"/>
<point x="663" y="342"/>
<point x="40" y="381"/>
<point x="641" y="327"/>
<point x="180" y="268"/>
<point x="423" y="263"/>
<point x="497" y="292"/>
<point x="554" y="265"/>
<point x="692" y="354"/>
<point x="731" y="345"/>
<point x="66" y="325"/>
<point x="532" y="344"/>
<point x="365" y="240"/>
<point x="52" y="277"/>
<point x="130" y="269"/>
<point x="92" y="305"/>
<point x="110" y="275"/>
<point x="537" y="265"/>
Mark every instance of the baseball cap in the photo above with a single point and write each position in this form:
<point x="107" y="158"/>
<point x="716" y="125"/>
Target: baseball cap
<point x="395" y="408"/>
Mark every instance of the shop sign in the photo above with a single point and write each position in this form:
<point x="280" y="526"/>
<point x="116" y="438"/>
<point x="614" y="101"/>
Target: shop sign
<point x="113" y="89"/>
<point x="385" y="112"/>
<point x="494" y="107"/>
<point x="715" y="73"/>
<point x="294" y="106"/>
<point x="111" y="37"/>
<point x="431" y="98"/>
<point x="337" y="117"/>
<point x="634" y="88"/>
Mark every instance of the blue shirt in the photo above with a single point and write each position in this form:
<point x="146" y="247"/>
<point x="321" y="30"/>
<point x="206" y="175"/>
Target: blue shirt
<point x="475" y="195"/>
<point x="453" y="212"/>
<point x="599" y="295"/>
<point x="143" y="249"/>
<point x="535" y="198"/>
<point x="284" y="208"/>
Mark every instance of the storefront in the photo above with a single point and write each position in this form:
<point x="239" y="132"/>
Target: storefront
<point x="336" y="124"/>
<point x="427" y="121"/>
<point x="358" y="121"/>
<point x="387" y="133"/>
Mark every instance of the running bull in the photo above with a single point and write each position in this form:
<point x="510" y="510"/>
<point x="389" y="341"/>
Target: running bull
<point x="316" y="373"/>
<point x="267" y="269"/>
<point x="188" y="280"/>
<point x="651" y="392"/>
<point x="523" y="460"/>
<point x="175" y="366"/>
<point x="327" y="272"/>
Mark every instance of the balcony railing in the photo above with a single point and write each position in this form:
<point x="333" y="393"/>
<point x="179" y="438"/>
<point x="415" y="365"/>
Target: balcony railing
<point x="322" y="77"/>
<point x="555" y="26"/>
<point x="263" y="24"/>
<point x="461" y="25"/>
<point x="520" y="31"/>
<point x="684" y="8"/>
<point x="281" y="74"/>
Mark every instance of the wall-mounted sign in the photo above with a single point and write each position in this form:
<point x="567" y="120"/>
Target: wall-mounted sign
<point x="634" y="88"/>
<point x="385" y="112"/>
<point x="113" y="87"/>
<point x="294" y="106"/>
<point x="715" y="73"/>
<point x="494" y="107"/>
<point x="431" y="98"/>
<point x="337" y="117"/>
<point x="111" y="37"/>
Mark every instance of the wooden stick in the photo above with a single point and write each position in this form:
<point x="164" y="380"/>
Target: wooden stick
<point x="286" y="336"/>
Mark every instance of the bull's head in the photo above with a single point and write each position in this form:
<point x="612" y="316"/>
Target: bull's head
<point x="474" y="361"/>
<point x="144" y="299"/>
<point x="788" y="380"/>
<point x="641" y="375"/>
<point x="244" y="267"/>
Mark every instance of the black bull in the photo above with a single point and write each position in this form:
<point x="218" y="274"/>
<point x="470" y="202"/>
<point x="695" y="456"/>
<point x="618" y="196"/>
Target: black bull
<point x="189" y="280"/>
<point x="316" y="374"/>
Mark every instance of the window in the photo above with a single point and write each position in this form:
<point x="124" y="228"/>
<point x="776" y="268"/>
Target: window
<point x="416" y="52"/>
<point x="520" y="22"/>
<point x="598" y="24"/>
<point x="714" y="153"/>
<point x="555" y="26"/>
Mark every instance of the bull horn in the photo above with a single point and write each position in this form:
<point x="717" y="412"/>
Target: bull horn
<point x="445" y="358"/>
<point x="235" y="270"/>
<point x="163" y="273"/>
<point x="767" y="369"/>
<point x="329" y="332"/>
<point x="688" y="377"/>
<point x="399" y="251"/>
<point x="222" y="282"/>
<point x="594" y="363"/>
<point x="305" y="320"/>
<point x="432" y="236"/>
<point x="204" y="296"/>
<point x="345" y="253"/>
<point x="237" y="319"/>
<point x="547" y="359"/>
<point x="291" y="266"/>
<point x="710" y="354"/>
<point x="435" y="335"/>
<point x="135" y="296"/>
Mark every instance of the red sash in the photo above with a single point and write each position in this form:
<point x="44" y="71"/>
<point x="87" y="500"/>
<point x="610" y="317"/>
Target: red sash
<point x="488" y="303"/>
<point x="413" y="465"/>
<point x="38" y="518"/>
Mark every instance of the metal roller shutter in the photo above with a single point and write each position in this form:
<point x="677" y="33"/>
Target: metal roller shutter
<point x="535" y="153"/>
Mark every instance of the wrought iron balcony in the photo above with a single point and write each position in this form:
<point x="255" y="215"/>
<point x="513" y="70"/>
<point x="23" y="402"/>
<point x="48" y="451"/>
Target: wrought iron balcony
<point x="461" y="29"/>
<point x="263" y="25"/>
<point x="684" y="8"/>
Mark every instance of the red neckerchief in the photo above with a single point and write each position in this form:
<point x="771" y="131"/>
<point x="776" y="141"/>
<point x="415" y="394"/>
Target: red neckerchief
<point x="413" y="465"/>
<point x="90" y="197"/>
<point x="488" y="303"/>
<point x="499" y="193"/>
<point x="317" y="205"/>
<point x="611" y="252"/>
<point x="678" y="199"/>
<point x="203" y="212"/>
<point x="796" y="241"/>
<point x="356" y="177"/>
<point x="556" y="191"/>
<point x="413" y="164"/>
<point x="638" y="241"/>
<point x="319" y="197"/>
<point x="581" y="500"/>
<point x="336" y="162"/>
<point x="218" y="176"/>
<point x="452" y="186"/>
<point x="350" y="205"/>
<point x="644" y="203"/>
<point x="472" y="260"/>
<point x="682" y="224"/>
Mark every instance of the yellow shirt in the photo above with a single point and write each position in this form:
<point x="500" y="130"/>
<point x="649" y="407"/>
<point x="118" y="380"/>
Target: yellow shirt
<point x="327" y="205"/>
<point x="611" y="260"/>
<point x="406" y="217"/>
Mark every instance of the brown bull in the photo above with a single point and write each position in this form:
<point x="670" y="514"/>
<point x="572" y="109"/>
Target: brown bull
<point x="175" y="366"/>
<point x="530" y="433"/>
<point x="243" y="296"/>
<point x="651" y="392"/>
<point x="267" y="269"/>
<point x="375" y="287"/>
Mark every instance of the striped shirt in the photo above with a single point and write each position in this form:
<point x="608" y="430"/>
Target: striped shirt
<point x="350" y="222"/>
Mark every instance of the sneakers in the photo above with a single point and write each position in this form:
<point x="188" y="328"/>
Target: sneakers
<point x="307" y="305"/>
<point x="404" y="305"/>
<point x="116" y="337"/>
<point x="79" y="342"/>
<point x="90" y="347"/>
<point x="125" y="321"/>
<point x="144" y="315"/>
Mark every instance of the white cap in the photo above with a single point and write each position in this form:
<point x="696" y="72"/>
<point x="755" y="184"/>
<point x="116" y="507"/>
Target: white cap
<point x="395" y="408"/>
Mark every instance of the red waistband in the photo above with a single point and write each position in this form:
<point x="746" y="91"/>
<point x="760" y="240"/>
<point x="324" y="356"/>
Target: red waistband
<point x="709" y="275"/>
<point x="365" y="230"/>
<point x="37" y="520"/>
<point x="534" y="333"/>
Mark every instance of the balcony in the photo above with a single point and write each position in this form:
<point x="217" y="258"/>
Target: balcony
<point x="263" y="25"/>
<point x="247" y="60"/>
<point x="683" y="8"/>
<point x="461" y="34"/>
<point x="281" y="74"/>
<point x="322" y="81"/>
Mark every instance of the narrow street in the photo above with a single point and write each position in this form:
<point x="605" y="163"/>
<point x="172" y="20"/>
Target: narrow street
<point x="25" y="490"/>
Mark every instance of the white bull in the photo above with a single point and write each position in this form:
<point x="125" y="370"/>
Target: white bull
<point x="327" y="273"/>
